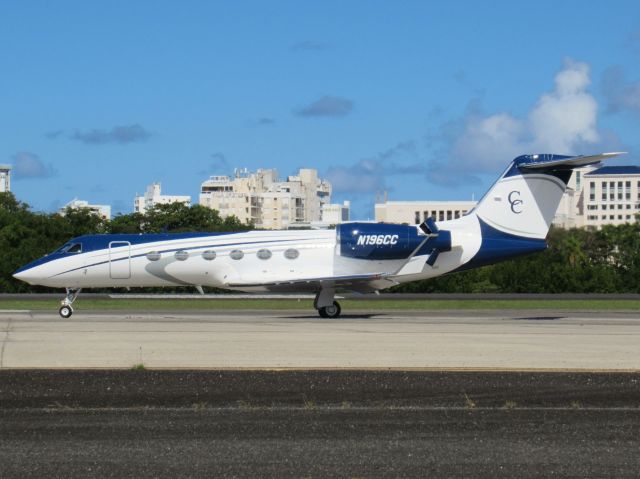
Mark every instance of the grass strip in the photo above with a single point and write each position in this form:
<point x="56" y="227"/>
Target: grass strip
<point x="350" y="304"/>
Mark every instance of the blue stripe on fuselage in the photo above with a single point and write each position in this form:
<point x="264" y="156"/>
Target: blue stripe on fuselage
<point x="497" y="246"/>
<point x="98" y="242"/>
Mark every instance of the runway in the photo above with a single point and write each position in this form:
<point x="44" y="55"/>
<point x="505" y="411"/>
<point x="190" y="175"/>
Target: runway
<point x="500" y="340"/>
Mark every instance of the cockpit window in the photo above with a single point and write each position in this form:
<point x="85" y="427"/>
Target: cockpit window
<point x="71" y="248"/>
<point x="75" y="248"/>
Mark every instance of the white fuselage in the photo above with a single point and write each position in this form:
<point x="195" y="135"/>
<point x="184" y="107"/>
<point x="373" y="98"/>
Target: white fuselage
<point x="243" y="261"/>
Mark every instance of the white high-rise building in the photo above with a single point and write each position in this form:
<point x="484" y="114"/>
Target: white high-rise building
<point x="335" y="213"/>
<point x="611" y="195"/>
<point x="103" y="211"/>
<point x="570" y="212"/>
<point x="153" y="197"/>
<point x="5" y="178"/>
<point x="600" y="196"/>
<point x="266" y="201"/>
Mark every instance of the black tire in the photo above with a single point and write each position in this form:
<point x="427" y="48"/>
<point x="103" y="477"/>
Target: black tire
<point x="65" y="311"/>
<point x="332" y="311"/>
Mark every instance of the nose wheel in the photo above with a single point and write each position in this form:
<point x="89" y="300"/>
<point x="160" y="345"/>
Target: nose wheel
<point x="65" y="305"/>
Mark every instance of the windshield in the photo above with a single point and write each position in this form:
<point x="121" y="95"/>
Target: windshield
<point x="70" y="248"/>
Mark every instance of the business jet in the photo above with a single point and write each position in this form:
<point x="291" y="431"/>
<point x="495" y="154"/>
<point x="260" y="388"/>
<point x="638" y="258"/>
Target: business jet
<point x="511" y="220"/>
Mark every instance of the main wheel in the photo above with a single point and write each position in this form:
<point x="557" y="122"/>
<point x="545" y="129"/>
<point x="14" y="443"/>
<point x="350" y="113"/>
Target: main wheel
<point x="332" y="311"/>
<point x="65" y="311"/>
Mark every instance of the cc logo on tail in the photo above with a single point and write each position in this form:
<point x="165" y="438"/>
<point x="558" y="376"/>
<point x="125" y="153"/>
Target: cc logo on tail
<point x="515" y="202"/>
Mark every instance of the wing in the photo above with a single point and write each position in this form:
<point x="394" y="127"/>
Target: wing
<point x="572" y="161"/>
<point x="360" y="283"/>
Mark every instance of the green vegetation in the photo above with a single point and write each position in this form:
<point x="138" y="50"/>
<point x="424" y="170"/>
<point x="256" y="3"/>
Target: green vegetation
<point x="350" y="305"/>
<point x="577" y="261"/>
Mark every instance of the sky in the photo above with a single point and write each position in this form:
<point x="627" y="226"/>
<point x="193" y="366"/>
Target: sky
<point x="424" y="100"/>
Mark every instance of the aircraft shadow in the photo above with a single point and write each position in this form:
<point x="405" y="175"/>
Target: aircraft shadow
<point x="343" y="316"/>
<point x="540" y="318"/>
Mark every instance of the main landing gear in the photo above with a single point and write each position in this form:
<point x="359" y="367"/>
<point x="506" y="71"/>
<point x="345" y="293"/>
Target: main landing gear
<point x="326" y="306"/>
<point x="65" y="305"/>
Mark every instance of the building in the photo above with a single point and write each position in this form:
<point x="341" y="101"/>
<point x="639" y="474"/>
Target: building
<point x="5" y="178"/>
<point x="600" y="196"/>
<point x="266" y="201"/>
<point x="415" y="212"/>
<point x="153" y="197"/>
<point x="611" y="195"/>
<point x="570" y="212"/>
<point x="101" y="210"/>
<point x="335" y="213"/>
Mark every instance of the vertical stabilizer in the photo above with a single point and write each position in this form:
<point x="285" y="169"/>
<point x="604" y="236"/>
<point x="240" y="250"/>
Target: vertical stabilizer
<point x="524" y="200"/>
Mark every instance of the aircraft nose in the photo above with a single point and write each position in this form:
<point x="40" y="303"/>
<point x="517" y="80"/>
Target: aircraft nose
<point x="25" y="274"/>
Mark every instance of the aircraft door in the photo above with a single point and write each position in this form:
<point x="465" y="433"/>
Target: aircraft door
<point x="120" y="260"/>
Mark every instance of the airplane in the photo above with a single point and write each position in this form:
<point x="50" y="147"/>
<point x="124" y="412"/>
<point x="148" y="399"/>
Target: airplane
<point x="511" y="219"/>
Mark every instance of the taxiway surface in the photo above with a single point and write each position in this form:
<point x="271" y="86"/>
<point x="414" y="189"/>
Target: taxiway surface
<point x="507" y="339"/>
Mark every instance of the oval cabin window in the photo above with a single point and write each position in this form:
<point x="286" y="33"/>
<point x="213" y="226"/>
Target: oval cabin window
<point x="236" y="254"/>
<point x="209" y="255"/>
<point x="181" y="255"/>
<point x="153" y="256"/>
<point x="263" y="254"/>
<point x="291" y="253"/>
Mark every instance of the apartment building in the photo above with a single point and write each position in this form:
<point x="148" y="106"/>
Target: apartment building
<point x="336" y="213"/>
<point x="266" y="201"/>
<point x="611" y="195"/>
<point x="104" y="211"/>
<point x="153" y="196"/>
<point x="600" y="196"/>
<point x="5" y="178"/>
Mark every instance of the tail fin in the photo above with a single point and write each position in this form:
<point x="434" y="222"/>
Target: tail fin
<point x="525" y="198"/>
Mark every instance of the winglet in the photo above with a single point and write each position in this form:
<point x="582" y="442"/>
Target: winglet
<point x="536" y="162"/>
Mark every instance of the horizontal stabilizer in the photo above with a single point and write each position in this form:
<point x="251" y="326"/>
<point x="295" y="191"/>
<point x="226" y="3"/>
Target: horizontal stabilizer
<point x="546" y="162"/>
<point x="429" y="227"/>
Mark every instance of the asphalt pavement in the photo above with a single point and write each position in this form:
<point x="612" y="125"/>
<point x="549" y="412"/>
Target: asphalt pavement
<point x="318" y="424"/>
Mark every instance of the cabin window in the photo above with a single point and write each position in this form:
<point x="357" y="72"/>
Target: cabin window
<point x="153" y="256"/>
<point x="181" y="255"/>
<point x="209" y="255"/>
<point x="236" y="254"/>
<point x="263" y="254"/>
<point x="291" y="253"/>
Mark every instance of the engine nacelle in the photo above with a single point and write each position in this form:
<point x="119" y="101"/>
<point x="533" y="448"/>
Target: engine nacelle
<point x="386" y="241"/>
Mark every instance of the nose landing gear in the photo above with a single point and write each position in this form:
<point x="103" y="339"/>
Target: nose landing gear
<point x="65" y="305"/>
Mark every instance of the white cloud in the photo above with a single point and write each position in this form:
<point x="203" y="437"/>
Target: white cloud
<point x="562" y="121"/>
<point x="566" y="117"/>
